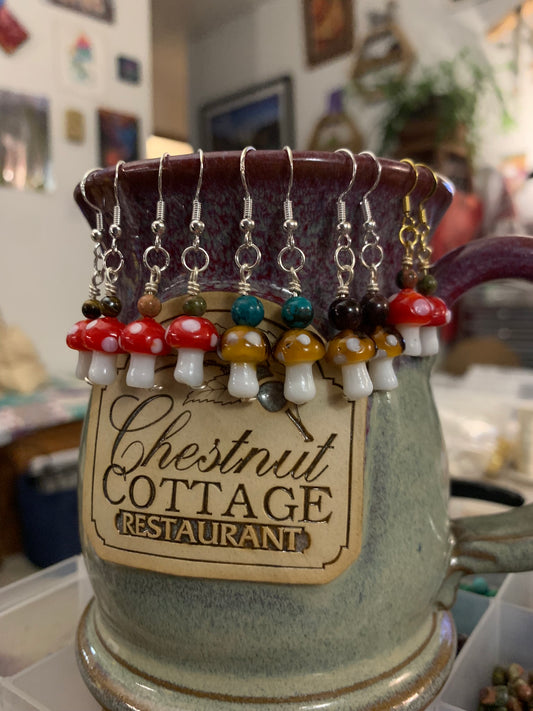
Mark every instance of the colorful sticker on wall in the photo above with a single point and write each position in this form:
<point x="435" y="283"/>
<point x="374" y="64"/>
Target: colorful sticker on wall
<point x="119" y="137"/>
<point x="12" y="33"/>
<point x="101" y="9"/>
<point x="128" y="70"/>
<point x="81" y="58"/>
<point x="25" y="162"/>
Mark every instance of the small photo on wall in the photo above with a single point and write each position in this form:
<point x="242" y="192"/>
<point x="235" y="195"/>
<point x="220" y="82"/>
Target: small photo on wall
<point x="74" y="126"/>
<point x="25" y="162"/>
<point x="12" y="33"/>
<point x="128" y="70"/>
<point x="118" y="137"/>
<point x="100" y="9"/>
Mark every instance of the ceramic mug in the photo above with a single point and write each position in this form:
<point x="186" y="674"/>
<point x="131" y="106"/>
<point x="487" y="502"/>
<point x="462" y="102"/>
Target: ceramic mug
<point x="260" y="555"/>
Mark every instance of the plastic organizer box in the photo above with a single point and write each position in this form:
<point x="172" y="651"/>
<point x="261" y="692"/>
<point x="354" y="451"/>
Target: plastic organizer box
<point x="39" y="616"/>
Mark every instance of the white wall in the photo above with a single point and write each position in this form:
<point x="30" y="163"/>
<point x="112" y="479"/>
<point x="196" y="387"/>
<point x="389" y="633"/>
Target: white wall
<point x="45" y="262"/>
<point x="268" y="41"/>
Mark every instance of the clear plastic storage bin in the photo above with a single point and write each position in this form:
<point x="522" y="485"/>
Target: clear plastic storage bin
<point x="39" y="616"/>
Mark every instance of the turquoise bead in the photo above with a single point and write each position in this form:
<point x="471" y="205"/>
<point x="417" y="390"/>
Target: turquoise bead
<point x="247" y="311"/>
<point x="297" y="312"/>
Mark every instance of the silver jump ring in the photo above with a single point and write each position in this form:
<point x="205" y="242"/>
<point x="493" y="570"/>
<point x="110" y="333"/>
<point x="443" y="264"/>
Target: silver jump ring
<point x="297" y="252"/>
<point x="195" y="250"/>
<point x="156" y="250"/>
<point x="244" y="248"/>
<point x="372" y="248"/>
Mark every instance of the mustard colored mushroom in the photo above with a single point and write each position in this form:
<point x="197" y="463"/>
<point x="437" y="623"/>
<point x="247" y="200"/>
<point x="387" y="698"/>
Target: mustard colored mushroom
<point x="243" y="347"/>
<point x="389" y="345"/>
<point x="352" y="351"/>
<point x="297" y="350"/>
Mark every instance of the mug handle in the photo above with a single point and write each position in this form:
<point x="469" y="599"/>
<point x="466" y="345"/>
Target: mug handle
<point x="499" y="542"/>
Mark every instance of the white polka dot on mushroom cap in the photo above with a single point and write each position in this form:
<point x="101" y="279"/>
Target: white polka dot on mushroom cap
<point x="157" y="346"/>
<point x="391" y="340"/>
<point x="190" y="325"/>
<point x="253" y="338"/>
<point x="73" y="330"/>
<point x="136" y="327"/>
<point x="353" y="344"/>
<point x="110" y="344"/>
<point x="214" y="340"/>
<point x="304" y="339"/>
<point x="232" y="337"/>
<point x="92" y="324"/>
<point x="421" y="307"/>
<point x="380" y="353"/>
<point x="339" y="359"/>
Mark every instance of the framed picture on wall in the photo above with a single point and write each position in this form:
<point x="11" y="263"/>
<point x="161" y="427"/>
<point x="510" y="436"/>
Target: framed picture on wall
<point x="260" y="116"/>
<point x="101" y="9"/>
<point x="119" y="137"/>
<point x="329" y="29"/>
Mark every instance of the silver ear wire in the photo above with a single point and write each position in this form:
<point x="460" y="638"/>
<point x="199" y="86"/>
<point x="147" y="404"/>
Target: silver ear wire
<point x="364" y="200"/>
<point x="344" y="254"/>
<point x="98" y="232"/>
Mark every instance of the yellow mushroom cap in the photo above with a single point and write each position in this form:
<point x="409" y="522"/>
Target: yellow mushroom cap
<point x="244" y="344"/>
<point x="349" y="348"/>
<point x="299" y="346"/>
<point x="389" y="342"/>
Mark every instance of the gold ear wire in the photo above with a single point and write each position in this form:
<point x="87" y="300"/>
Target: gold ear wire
<point x="425" y="251"/>
<point x="406" y="197"/>
<point x="409" y="235"/>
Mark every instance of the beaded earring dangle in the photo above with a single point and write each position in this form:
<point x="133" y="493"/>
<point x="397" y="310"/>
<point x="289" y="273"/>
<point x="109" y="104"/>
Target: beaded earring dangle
<point x="243" y="345"/>
<point x="91" y="306"/>
<point x="297" y="349"/>
<point x="374" y="306"/>
<point x="190" y="333"/>
<point x="408" y="309"/>
<point x="350" y="348"/>
<point x="102" y="336"/>
<point x="427" y="284"/>
<point x="144" y="339"/>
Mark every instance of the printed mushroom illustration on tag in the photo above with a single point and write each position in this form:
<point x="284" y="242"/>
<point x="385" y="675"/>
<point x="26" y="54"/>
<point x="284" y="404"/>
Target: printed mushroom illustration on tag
<point x="192" y="336"/>
<point x="298" y="350"/>
<point x="102" y="337"/>
<point x="244" y="347"/>
<point x="352" y="352"/>
<point x="408" y="312"/>
<point x="144" y="340"/>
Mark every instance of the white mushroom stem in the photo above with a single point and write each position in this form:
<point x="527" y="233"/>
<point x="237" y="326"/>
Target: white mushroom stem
<point x="356" y="382"/>
<point x="190" y="367"/>
<point x="84" y="363"/>
<point x="141" y="372"/>
<point x="411" y="336"/>
<point x="103" y="370"/>
<point x="382" y="372"/>
<point x="299" y="383"/>
<point x="429" y="339"/>
<point x="243" y="381"/>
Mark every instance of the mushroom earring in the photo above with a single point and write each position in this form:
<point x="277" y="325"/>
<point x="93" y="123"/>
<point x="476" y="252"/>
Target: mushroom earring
<point x="297" y="349"/>
<point x="144" y="339"/>
<point x="350" y="348"/>
<point x="440" y="314"/>
<point x="91" y="306"/>
<point x="408" y="309"/>
<point x="190" y="333"/>
<point x="102" y="336"/>
<point x="243" y="345"/>
<point x="374" y="306"/>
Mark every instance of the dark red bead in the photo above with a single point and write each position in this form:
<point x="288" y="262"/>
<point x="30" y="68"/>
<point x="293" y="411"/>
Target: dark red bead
<point x="374" y="311"/>
<point x="344" y="313"/>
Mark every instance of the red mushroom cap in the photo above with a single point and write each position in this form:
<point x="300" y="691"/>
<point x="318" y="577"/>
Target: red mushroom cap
<point x="103" y="334"/>
<point x="440" y="313"/>
<point x="192" y="332"/>
<point x="409" y="307"/>
<point x="76" y="335"/>
<point x="145" y="336"/>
